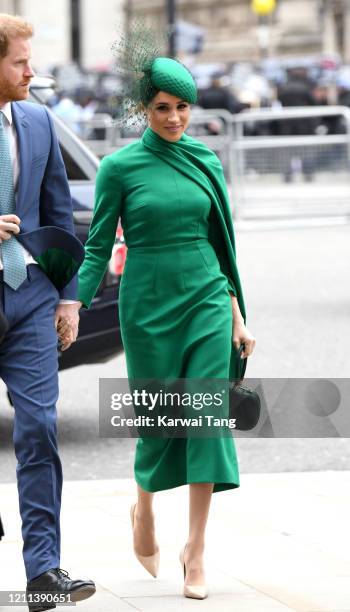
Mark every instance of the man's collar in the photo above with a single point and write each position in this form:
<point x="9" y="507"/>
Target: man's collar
<point x="7" y="110"/>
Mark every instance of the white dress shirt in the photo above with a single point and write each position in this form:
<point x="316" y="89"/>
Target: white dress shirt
<point x="14" y="153"/>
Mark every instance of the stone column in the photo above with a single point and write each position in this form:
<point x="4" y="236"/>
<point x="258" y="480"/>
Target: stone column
<point x="51" y="32"/>
<point x="100" y="27"/>
<point x="7" y="6"/>
<point x="346" y="57"/>
<point x="329" y="43"/>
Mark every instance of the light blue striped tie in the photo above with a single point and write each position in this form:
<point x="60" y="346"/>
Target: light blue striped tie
<point x="15" y="270"/>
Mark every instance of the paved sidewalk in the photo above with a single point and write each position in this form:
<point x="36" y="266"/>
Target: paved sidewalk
<point x="280" y="542"/>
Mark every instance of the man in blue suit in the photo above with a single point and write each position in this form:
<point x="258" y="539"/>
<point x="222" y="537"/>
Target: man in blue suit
<point x="35" y="223"/>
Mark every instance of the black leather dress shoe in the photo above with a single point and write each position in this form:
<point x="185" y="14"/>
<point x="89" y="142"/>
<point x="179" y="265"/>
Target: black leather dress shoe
<point x="55" y="585"/>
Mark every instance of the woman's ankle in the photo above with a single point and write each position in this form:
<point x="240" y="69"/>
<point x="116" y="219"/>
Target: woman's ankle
<point x="194" y="549"/>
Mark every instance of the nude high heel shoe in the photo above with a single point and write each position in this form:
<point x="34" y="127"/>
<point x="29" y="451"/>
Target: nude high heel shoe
<point x="195" y="591"/>
<point x="149" y="562"/>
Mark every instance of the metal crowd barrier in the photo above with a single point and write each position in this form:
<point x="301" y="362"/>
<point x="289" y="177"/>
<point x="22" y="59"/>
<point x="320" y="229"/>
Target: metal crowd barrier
<point x="293" y="175"/>
<point x="269" y="174"/>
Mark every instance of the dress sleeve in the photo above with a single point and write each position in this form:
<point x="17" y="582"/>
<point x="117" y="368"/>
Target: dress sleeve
<point x="231" y="288"/>
<point x="99" y="245"/>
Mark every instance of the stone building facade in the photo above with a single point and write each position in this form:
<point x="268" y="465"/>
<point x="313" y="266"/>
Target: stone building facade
<point x="234" y="33"/>
<point x="232" y="30"/>
<point x="52" y="26"/>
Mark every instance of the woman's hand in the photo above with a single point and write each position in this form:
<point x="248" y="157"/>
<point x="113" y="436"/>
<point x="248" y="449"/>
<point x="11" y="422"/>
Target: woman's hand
<point x="241" y="335"/>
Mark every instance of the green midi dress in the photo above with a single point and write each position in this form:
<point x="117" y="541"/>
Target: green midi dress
<point x="174" y="302"/>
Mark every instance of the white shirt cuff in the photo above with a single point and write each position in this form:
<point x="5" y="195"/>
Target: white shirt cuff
<point x="68" y="301"/>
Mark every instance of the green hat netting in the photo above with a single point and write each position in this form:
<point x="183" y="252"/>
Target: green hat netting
<point x="144" y="71"/>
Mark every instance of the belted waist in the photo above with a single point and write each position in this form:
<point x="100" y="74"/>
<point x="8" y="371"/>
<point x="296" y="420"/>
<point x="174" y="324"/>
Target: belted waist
<point x="168" y="246"/>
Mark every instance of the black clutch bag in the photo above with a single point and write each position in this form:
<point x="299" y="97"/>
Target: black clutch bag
<point x="245" y="404"/>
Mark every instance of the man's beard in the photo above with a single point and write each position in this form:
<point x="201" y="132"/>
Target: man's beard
<point x="11" y="93"/>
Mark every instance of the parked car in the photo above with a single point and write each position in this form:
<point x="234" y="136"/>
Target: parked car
<point x="99" y="330"/>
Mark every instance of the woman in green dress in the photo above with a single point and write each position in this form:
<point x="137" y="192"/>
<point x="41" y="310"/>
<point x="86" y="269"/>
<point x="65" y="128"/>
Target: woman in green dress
<point x="180" y="303"/>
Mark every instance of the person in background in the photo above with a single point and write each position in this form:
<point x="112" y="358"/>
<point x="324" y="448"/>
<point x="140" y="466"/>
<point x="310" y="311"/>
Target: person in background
<point x="333" y="155"/>
<point x="343" y="89"/>
<point x="68" y="110"/>
<point x="218" y="96"/>
<point x="297" y="91"/>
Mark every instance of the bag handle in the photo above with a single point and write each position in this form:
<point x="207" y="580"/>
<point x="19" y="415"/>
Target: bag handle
<point x="243" y="362"/>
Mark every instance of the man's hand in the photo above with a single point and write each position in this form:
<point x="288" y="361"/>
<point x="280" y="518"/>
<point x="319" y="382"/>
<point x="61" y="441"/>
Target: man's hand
<point x="9" y="225"/>
<point x="67" y="323"/>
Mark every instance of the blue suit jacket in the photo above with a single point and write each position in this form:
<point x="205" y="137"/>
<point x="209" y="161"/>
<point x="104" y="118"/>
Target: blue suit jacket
<point x="43" y="195"/>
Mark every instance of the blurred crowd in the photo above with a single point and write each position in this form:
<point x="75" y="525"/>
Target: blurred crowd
<point x="82" y="95"/>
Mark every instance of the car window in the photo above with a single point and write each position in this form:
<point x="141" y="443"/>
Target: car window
<point x="81" y="164"/>
<point x="74" y="171"/>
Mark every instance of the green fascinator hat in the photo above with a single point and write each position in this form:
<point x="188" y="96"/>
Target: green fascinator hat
<point x="144" y="70"/>
<point x="169" y="75"/>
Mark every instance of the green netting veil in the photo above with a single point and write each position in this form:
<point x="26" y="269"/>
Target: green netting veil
<point x="144" y="69"/>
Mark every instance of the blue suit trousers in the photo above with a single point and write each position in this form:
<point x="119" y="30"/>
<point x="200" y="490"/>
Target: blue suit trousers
<point x="29" y="368"/>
